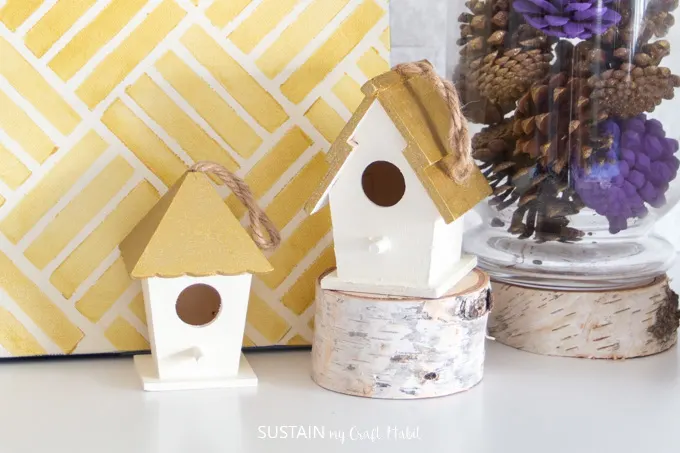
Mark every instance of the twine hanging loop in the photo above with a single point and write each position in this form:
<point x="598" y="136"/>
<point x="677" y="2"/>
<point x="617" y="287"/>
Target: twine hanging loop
<point x="263" y="231"/>
<point x="459" y="164"/>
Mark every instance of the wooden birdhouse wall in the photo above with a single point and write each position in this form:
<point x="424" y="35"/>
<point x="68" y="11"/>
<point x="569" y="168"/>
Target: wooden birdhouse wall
<point x="175" y="342"/>
<point x="447" y="247"/>
<point x="408" y="225"/>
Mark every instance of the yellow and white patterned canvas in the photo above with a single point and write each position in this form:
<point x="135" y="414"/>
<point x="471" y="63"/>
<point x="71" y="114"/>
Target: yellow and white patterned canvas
<point x="104" y="103"/>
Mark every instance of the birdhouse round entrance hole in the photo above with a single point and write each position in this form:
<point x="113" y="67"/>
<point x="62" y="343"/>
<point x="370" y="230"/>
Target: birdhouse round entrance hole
<point x="383" y="183"/>
<point x="198" y="305"/>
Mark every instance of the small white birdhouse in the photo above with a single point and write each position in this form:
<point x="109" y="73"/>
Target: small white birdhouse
<point x="195" y="262"/>
<point x="397" y="216"/>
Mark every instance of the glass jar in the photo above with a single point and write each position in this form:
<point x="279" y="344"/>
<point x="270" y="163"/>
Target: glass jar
<point x="576" y="131"/>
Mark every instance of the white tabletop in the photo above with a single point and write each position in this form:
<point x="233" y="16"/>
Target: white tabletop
<point x="526" y="404"/>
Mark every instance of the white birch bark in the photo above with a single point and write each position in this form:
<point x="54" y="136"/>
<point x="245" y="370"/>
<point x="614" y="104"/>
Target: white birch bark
<point x="401" y="347"/>
<point x="605" y="325"/>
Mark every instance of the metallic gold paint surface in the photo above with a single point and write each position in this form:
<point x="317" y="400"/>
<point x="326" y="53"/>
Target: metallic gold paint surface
<point x="12" y="171"/>
<point x="89" y="254"/>
<point x="422" y="117"/>
<point x="118" y="64"/>
<point x="15" y="12"/>
<point x="191" y="231"/>
<point x="125" y="337"/>
<point x="15" y="338"/>
<point x="194" y="140"/>
<point x="222" y="117"/>
<point x="38" y="201"/>
<point x="80" y="210"/>
<point x="100" y="298"/>
<point x="24" y="131"/>
<point x="324" y="59"/>
<point x="33" y="87"/>
<point x="34" y="303"/>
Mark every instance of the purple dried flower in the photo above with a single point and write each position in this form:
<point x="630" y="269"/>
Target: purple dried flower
<point x="568" y="18"/>
<point x="635" y="171"/>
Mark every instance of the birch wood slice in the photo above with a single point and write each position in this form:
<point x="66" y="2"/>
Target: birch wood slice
<point x="598" y="325"/>
<point x="401" y="347"/>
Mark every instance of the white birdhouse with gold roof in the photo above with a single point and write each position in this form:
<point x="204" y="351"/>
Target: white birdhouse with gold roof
<point x="195" y="262"/>
<point x="395" y="191"/>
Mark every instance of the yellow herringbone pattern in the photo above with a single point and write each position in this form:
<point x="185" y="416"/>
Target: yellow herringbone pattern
<point x="104" y="104"/>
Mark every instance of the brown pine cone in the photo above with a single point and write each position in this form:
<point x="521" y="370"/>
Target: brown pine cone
<point x="494" y="142"/>
<point x="658" y="17"/>
<point x="627" y="29"/>
<point x="542" y="212"/>
<point x="639" y="26"/>
<point x="633" y="82"/>
<point x="581" y="60"/>
<point x="486" y="31"/>
<point x="647" y="55"/>
<point x="484" y="28"/>
<point x="504" y="78"/>
<point x="552" y="122"/>
<point x="632" y="89"/>
<point x="480" y="30"/>
<point x="476" y="108"/>
<point x="506" y="172"/>
<point x="553" y="119"/>
<point x="492" y="25"/>
<point x="540" y="209"/>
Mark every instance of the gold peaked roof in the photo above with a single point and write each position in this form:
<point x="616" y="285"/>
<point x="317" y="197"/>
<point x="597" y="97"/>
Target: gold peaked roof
<point x="422" y="117"/>
<point x="191" y="231"/>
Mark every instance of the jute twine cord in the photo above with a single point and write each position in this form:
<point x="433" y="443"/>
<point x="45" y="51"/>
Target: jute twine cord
<point x="459" y="163"/>
<point x="264" y="232"/>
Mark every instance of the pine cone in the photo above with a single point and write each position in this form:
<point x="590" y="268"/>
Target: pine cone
<point x="552" y="121"/>
<point x="633" y="166"/>
<point x="492" y="29"/>
<point x="633" y="89"/>
<point x="547" y="214"/>
<point x="542" y="212"/>
<point x="508" y="174"/>
<point x="658" y="18"/>
<point x="493" y="142"/>
<point x="476" y="108"/>
<point x="637" y="28"/>
<point x="568" y="18"/>
<point x="484" y="28"/>
<point x="504" y="78"/>
<point x="581" y="60"/>
<point x="647" y="55"/>
<point x="491" y="26"/>
<point x="519" y="182"/>
<point x="633" y="82"/>
<point x="626" y="30"/>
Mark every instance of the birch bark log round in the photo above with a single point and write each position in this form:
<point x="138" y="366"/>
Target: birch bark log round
<point x="399" y="347"/>
<point x="598" y="325"/>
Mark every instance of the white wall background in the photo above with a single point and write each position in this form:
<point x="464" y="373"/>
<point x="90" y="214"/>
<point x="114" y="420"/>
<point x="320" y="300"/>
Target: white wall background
<point x="428" y="29"/>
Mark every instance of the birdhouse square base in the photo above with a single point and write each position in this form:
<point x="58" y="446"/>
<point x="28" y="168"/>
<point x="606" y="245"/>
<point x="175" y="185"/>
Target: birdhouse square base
<point x="146" y="368"/>
<point x="466" y="264"/>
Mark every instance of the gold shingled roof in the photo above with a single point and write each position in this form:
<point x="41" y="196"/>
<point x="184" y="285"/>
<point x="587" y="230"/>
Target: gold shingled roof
<point x="191" y="231"/>
<point x="422" y="117"/>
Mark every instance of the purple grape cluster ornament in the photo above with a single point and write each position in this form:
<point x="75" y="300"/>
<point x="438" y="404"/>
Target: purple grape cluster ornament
<point x="568" y="18"/>
<point x="635" y="171"/>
